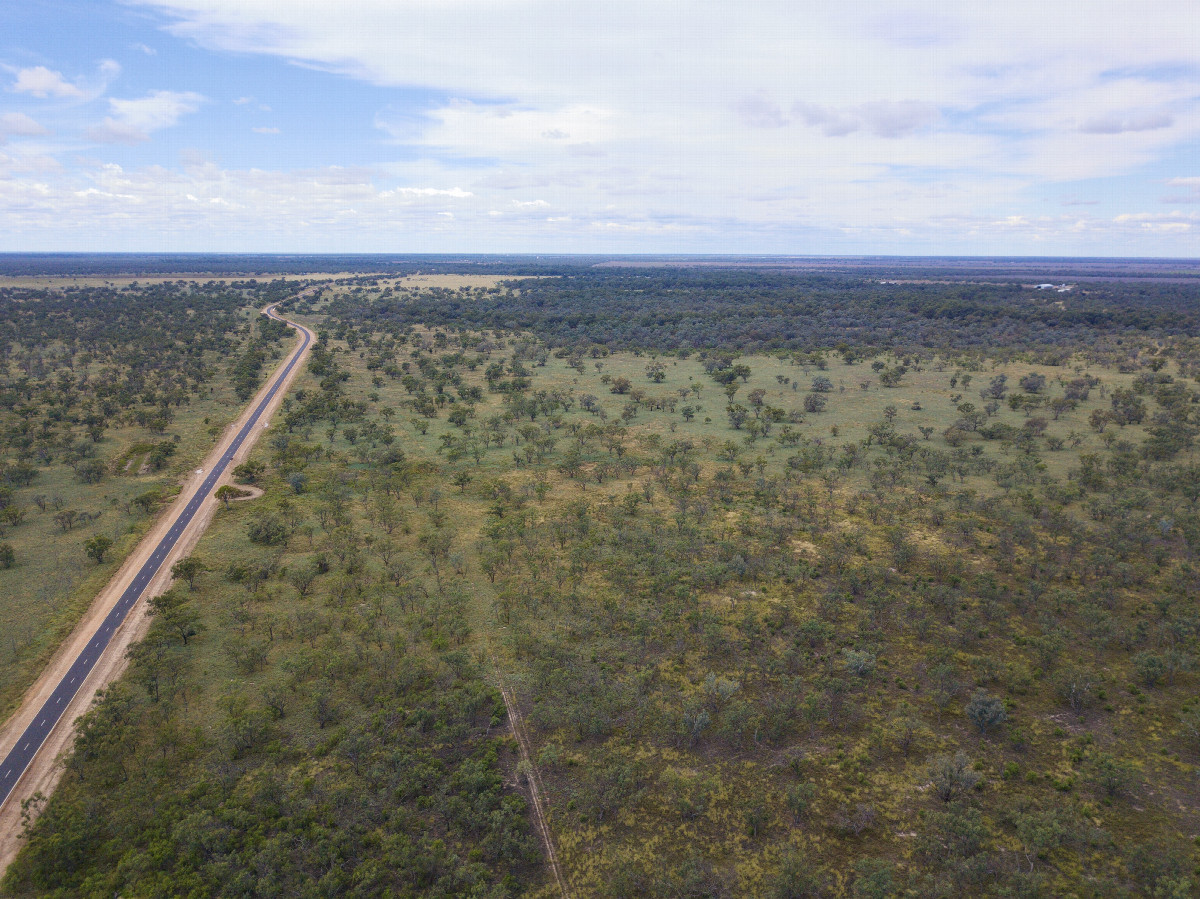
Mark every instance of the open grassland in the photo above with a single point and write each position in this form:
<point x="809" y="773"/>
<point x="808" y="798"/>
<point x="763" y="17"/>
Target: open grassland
<point x="799" y="633"/>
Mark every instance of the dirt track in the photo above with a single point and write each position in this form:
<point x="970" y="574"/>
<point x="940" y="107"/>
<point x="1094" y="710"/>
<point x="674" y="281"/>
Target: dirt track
<point x="44" y="772"/>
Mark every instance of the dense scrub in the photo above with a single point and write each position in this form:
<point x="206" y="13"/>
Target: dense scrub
<point x="751" y="311"/>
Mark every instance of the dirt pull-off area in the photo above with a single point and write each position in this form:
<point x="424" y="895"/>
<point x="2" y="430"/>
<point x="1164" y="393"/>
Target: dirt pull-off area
<point x="43" y="773"/>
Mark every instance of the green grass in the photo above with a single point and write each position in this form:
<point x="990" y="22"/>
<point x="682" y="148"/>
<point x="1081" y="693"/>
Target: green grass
<point x="691" y="802"/>
<point x="851" y="767"/>
<point x="54" y="581"/>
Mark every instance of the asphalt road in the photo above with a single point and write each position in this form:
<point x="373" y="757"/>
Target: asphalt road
<point x="26" y="749"/>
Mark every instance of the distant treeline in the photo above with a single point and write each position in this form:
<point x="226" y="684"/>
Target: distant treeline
<point x="680" y="309"/>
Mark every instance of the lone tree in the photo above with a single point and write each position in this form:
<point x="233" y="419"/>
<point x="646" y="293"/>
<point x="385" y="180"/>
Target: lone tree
<point x="188" y="570"/>
<point x="226" y="492"/>
<point x="986" y="711"/>
<point x="97" y="546"/>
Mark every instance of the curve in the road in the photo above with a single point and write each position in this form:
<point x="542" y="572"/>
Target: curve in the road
<point x="26" y="749"/>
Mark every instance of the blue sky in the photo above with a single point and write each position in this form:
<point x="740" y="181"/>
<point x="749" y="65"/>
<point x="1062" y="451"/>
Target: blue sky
<point x="1068" y="128"/>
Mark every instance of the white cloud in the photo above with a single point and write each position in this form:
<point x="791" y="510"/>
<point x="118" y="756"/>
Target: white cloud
<point x="1157" y="218"/>
<point x="882" y="118"/>
<point x="889" y="119"/>
<point x="133" y="121"/>
<point x="455" y="192"/>
<point x="1115" y="123"/>
<point x="265" y="130"/>
<point x="43" y="82"/>
<point x="19" y="124"/>
<point x="1189" y="190"/>
<point x="469" y="129"/>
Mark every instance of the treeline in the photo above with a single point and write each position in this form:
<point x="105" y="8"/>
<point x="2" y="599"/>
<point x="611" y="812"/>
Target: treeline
<point x="682" y="309"/>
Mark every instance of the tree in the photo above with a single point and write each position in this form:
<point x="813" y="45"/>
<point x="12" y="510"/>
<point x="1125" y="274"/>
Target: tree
<point x="227" y="492"/>
<point x="249" y="472"/>
<point x="1111" y="775"/>
<point x="436" y="544"/>
<point x="146" y="501"/>
<point x="8" y="557"/>
<point x="90" y="472"/>
<point x="188" y="569"/>
<point x="874" y="879"/>
<point x="1033" y="382"/>
<point x="1189" y="721"/>
<point x="66" y="519"/>
<point x="795" y="878"/>
<point x="302" y="578"/>
<point x="176" y="613"/>
<point x="952" y="776"/>
<point x="96" y="547"/>
<point x="985" y="711"/>
<point x="267" y="530"/>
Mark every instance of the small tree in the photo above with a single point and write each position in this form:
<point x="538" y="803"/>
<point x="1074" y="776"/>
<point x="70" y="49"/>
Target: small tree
<point x="97" y="546"/>
<point x="952" y="776"/>
<point x="8" y="558"/>
<point x="66" y="519"/>
<point x="188" y="570"/>
<point x="1111" y="775"/>
<point x="177" y="614"/>
<point x="267" y="530"/>
<point x="226" y="492"/>
<point x="1189" y="721"/>
<point x="986" y="711"/>
<point x="249" y="472"/>
<point x="91" y="471"/>
<point x="737" y="415"/>
<point x="302" y="578"/>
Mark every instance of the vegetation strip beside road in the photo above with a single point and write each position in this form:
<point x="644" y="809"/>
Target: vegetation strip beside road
<point x="23" y="752"/>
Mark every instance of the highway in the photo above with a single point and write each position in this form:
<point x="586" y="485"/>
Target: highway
<point x="26" y="749"/>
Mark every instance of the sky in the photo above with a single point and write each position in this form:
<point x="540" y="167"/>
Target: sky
<point x="1056" y="127"/>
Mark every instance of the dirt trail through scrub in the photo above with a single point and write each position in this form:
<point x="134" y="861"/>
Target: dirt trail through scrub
<point x="536" y="791"/>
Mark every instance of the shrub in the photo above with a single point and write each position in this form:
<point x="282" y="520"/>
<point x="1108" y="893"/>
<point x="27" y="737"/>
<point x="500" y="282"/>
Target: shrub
<point x="985" y="711"/>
